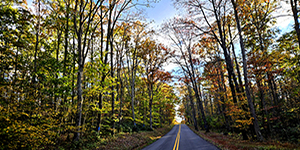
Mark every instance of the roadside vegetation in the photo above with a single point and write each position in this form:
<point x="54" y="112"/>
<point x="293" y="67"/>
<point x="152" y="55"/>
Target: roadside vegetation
<point x="233" y="141"/>
<point x="78" y="72"/>
<point x="120" y="141"/>
<point x="85" y="73"/>
<point x="240" y="75"/>
<point x="126" y="141"/>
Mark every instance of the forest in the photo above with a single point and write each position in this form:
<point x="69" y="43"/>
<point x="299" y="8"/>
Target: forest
<point x="90" y="69"/>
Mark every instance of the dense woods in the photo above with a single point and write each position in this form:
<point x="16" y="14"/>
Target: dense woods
<point x="239" y="72"/>
<point x="89" y="69"/>
<point x="79" y="69"/>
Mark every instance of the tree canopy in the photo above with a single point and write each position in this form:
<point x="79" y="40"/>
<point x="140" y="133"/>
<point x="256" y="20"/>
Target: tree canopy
<point x="88" y="69"/>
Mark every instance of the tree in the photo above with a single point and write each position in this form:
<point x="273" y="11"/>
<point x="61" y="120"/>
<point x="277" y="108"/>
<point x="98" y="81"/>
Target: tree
<point x="154" y="56"/>
<point x="183" y="38"/>
<point x="295" y="17"/>
<point x="43" y="52"/>
<point x="83" y="42"/>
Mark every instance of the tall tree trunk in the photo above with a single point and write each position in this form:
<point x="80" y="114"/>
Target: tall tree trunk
<point x="160" y="116"/>
<point x="104" y="61"/>
<point x="56" y="76"/>
<point x="80" y="53"/>
<point x="79" y="87"/>
<point x="197" y="89"/>
<point x="131" y="79"/>
<point x="132" y="98"/>
<point x="248" y="94"/>
<point x="294" y="6"/>
<point x="211" y="105"/>
<point x="187" y="108"/>
<point x="206" y="127"/>
<point x="263" y="103"/>
<point x="145" y="112"/>
<point x="65" y="95"/>
<point x="227" y="124"/>
<point x="132" y="83"/>
<point x="109" y="44"/>
<point x="112" y="88"/>
<point x="231" y="76"/>
<point x="236" y="62"/>
<point x="73" y="71"/>
<point x="205" y="100"/>
<point x="36" y="44"/>
<point x="119" y="86"/>
<point x="100" y="99"/>
<point x="150" y="93"/>
<point x="193" y="108"/>
<point x="272" y="87"/>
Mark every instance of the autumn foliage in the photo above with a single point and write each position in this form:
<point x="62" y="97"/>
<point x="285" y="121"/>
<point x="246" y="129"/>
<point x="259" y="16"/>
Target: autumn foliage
<point x="240" y="67"/>
<point x="67" y="69"/>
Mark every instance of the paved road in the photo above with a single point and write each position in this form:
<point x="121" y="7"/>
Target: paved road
<point x="181" y="137"/>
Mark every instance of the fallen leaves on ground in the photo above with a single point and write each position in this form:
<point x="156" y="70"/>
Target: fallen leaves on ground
<point x="230" y="142"/>
<point x="126" y="141"/>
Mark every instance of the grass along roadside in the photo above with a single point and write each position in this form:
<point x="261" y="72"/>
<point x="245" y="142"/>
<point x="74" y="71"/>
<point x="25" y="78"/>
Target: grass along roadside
<point x="230" y="142"/>
<point x="128" y="141"/>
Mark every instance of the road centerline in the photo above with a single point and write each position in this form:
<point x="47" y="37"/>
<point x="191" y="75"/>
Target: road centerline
<point x="177" y="139"/>
<point x="188" y="140"/>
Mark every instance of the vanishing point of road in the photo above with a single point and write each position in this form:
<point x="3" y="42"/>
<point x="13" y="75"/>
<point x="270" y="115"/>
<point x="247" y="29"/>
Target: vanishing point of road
<point x="181" y="137"/>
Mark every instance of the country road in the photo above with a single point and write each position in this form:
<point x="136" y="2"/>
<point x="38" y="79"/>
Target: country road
<point x="181" y="137"/>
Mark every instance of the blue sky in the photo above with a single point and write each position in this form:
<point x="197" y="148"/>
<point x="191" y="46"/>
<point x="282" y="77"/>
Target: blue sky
<point x="158" y="12"/>
<point x="161" y="11"/>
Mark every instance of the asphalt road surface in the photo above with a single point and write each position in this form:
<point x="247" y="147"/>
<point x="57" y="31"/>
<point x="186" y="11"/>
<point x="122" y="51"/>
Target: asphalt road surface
<point x="181" y="137"/>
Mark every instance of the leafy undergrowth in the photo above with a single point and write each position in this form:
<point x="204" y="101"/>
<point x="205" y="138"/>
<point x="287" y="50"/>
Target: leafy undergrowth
<point x="121" y="141"/>
<point x="231" y="142"/>
<point x="128" y="141"/>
